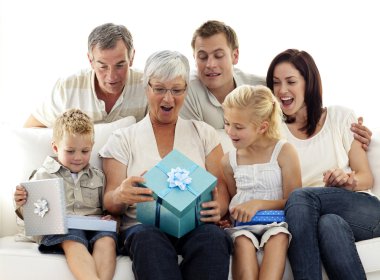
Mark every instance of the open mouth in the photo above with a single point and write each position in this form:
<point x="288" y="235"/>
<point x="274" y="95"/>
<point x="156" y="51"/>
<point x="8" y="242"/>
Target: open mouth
<point x="211" y="75"/>
<point x="166" y="109"/>
<point x="286" y="101"/>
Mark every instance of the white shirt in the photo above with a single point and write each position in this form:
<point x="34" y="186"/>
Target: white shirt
<point x="327" y="149"/>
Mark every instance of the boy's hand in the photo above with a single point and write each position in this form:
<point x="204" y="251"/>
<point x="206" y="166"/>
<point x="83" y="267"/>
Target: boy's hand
<point x="20" y="196"/>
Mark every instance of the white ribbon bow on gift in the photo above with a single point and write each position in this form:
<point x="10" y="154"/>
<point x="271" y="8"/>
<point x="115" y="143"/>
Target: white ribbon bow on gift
<point x="41" y="207"/>
<point x="179" y="177"/>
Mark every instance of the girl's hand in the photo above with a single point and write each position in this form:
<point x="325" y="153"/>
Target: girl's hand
<point x="244" y="212"/>
<point x="20" y="196"/>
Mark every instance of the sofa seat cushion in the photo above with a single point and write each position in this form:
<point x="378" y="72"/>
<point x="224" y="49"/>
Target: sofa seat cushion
<point x="369" y="252"/>
<point x="21" y="260"/>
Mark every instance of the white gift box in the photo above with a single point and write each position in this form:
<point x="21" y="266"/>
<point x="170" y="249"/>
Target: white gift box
<point x="51" y="218"/>
<point x="45" y="211"/>
<point x="90" y="223"/>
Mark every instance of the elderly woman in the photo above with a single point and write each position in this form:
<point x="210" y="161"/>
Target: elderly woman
<point x="132" y="150"/>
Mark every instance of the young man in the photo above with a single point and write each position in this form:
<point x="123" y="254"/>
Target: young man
<point x="216" y="51"/>
<point x="109" y="91"/>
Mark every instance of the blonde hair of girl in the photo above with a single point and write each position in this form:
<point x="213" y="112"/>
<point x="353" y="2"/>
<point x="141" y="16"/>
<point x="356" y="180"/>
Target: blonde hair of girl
<point x="261" y="105"/>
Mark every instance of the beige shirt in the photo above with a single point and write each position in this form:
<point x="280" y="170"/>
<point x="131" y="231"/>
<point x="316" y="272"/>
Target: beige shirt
<point x="78" y="91"/>
<point x="200" y="104"/>
<point x="85" y="197"/>
<point x="136" y="148"/>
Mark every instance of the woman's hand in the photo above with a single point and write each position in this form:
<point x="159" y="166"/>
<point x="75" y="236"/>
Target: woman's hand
<point x="211" y="212"/>
<point x="335" y="177"/>
<point x="20" y="196"/>
<point x="129" y="191"/>
<point x="339" y="178"/>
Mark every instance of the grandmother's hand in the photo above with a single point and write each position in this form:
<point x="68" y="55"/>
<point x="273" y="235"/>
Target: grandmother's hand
<point x="129" y="191"/>
<point x="211" y="210"/>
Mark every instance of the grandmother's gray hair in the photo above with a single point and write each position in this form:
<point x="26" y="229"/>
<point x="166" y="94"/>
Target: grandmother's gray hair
<point x="107" y="35"/>
<point x="165" y="66"/>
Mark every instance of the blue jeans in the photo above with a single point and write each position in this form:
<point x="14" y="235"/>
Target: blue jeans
<point x="205" y="250"/>
<point x="325" y="223"/>
<point x="51" y="244"/>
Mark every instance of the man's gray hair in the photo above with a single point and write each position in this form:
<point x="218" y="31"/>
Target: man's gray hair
<point x="166" y="65"/>
<point x="107" y="35"/>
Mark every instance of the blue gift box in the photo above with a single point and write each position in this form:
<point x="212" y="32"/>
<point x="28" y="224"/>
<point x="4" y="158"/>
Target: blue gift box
<point x="176" y="211"/>
<point x="264" y="217"/>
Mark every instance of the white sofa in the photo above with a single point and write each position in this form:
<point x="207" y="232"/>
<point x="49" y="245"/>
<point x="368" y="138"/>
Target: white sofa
<point x="25" y="150"/>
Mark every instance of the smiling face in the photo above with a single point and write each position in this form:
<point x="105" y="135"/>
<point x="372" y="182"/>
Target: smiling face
<point x="164" y="108"/>
<point x="111" y="68"/>
<point x="74" y="151"/>
<point x="215" y="61"/>
<point x="239" y="127"/>
<point x="289" y="88"/>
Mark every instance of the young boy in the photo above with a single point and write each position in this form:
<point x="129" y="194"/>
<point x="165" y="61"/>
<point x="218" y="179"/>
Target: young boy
<point x="89" y="254"/>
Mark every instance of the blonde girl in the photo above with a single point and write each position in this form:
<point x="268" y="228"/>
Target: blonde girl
<point x="260" y="172"/>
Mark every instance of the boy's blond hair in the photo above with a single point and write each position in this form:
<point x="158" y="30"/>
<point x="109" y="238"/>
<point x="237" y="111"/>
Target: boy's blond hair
<point x="260" y="104"/>
<point x="72" y="122"/>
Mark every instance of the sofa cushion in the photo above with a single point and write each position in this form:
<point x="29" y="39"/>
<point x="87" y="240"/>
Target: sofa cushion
<point x="34" y="265"/>
<point x="26" y="149"/>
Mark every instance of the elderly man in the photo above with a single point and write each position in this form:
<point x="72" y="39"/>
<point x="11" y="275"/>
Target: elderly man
<point x="108" y="91"/>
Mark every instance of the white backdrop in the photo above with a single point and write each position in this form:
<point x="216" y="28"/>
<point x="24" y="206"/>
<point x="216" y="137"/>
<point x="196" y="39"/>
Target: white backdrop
<point x="41" y="40"/>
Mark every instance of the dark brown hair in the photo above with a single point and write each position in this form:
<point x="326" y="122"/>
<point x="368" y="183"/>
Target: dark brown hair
<point x="305" y="64"/>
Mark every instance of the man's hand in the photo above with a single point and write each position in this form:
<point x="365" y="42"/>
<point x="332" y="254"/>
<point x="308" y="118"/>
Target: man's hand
<point x="361" y="133"/>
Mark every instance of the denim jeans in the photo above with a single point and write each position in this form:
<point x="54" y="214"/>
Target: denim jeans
<point x="205" y="250"/>
<point x="325" y="223"/>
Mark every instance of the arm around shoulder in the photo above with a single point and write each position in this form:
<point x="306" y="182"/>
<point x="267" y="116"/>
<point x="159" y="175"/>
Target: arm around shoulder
<point x="33" y="122"/>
